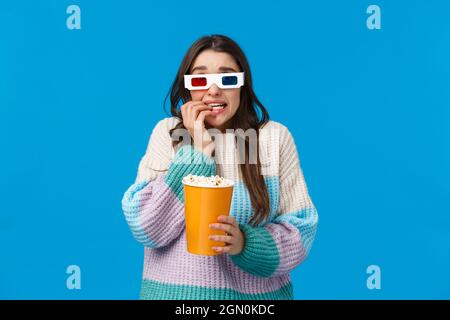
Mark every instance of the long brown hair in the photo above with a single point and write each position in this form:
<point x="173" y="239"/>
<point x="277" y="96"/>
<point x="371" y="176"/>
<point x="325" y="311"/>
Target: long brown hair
<point x="246" y="116"/>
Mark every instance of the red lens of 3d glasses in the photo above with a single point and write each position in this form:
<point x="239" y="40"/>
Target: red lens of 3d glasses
<point x="198" y="82"/>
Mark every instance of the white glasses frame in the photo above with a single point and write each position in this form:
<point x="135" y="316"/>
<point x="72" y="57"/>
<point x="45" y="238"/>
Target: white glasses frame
<point x="215" y="78"/>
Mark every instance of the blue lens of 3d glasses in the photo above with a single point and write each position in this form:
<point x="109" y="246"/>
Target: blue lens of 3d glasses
<point x="229" y="80"/>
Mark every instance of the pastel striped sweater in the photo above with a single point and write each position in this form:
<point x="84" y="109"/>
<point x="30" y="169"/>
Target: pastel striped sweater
<point x="153" y="208"/>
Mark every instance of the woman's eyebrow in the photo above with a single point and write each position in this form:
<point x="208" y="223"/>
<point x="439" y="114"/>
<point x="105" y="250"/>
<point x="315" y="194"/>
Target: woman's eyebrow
<point x="198" y="68"/>
<point x="227" y="69"/>
<point x="222" y="69"/>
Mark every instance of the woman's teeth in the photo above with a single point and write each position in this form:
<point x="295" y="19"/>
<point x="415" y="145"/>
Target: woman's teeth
<point x="217" y="106"/>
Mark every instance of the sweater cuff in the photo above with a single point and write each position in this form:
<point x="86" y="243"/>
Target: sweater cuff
<point x="188" y="160"/>
<point x="260" y="254"/>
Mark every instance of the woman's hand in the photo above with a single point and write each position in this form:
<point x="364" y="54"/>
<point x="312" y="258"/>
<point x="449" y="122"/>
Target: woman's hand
<point x="194" y="113"/>
<point x="234" y="239"/>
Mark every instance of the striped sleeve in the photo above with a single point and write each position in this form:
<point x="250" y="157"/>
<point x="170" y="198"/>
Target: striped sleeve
<point x="153" y="205"/>
<point x="276" y="248"/>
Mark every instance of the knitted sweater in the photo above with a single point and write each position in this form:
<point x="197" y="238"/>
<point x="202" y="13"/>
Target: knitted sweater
<point x="153" y="208"/>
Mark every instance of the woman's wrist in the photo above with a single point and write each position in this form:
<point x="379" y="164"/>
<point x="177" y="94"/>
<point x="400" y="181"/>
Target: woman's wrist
<point x="207" y="150"/>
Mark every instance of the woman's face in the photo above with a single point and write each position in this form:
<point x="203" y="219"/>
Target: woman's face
<point x="210" y="61"/>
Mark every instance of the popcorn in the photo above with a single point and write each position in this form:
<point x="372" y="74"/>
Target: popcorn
<point x="203" y="181"/>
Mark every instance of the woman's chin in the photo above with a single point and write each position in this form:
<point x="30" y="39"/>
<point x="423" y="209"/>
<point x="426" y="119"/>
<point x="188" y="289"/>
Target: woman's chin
<point x="212" y="121"/>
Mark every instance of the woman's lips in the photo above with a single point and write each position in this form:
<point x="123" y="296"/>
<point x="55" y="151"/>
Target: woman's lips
<point x="217" y="111"/>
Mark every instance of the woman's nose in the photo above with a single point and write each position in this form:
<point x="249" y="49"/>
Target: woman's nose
<point x="214" y="90"/>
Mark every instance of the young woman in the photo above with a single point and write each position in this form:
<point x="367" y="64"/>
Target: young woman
<point x="272" y="222"/>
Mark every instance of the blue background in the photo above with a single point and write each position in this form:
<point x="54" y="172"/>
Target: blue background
<point x="369" y="111"/>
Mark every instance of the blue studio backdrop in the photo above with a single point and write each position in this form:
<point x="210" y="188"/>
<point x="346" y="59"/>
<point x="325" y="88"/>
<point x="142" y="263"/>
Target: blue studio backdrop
<point x="369" y="109"/>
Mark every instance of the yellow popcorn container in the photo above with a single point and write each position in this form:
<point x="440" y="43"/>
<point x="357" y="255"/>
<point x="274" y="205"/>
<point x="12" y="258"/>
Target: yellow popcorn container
<point x="203" y="204"/>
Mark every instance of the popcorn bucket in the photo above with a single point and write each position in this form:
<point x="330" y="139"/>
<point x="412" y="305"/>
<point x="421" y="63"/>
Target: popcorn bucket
<point x="203" y="204"/>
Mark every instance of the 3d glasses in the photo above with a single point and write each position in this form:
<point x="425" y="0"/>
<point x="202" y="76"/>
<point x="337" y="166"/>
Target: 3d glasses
<point x="222" y="80"/>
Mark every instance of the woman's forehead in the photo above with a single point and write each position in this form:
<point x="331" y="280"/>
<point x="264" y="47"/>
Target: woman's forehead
<point x="209" y="60"/>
